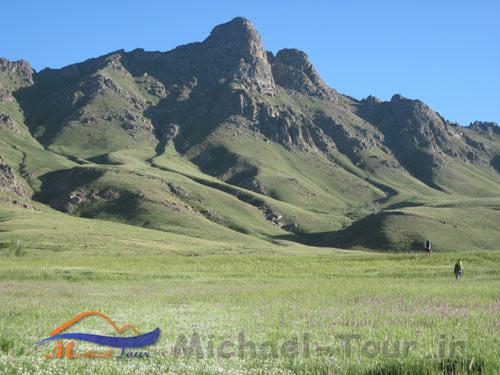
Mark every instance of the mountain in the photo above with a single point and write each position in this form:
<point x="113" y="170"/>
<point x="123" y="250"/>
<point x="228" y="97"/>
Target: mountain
<point x="221" y="139"/>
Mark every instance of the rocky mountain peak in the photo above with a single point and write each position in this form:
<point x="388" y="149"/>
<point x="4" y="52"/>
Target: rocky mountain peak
<point x="235" y="48"/>
<point x="20" y="72"/>
<point x="370" y="99"/>
<point x="239" y="29"/>
<point x="398" y="98"/>
<point x="293" y="70"/>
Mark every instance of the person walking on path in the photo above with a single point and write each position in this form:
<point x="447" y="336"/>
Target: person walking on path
<point x="428" y="248"/>
<point x="459" y="269"/>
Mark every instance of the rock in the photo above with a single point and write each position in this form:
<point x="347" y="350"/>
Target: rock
<point x="177" y="191"/>
<point x="5" y="95"/>
<point x="107" y="195"/>
<point x="7" y="122"/>
<point x="168" y="132"/>
<point x="8" y="181"/>
<point x="20" y="73"/>
<point x="408" y="125"/>
<point x="292" y="70"/>
<point x="488" y="128"/>
<point x="370" y="99"/>
<point x="212" y="216"/>
<point x="71" y="202"/>
<point x="472" y="157"/>
<point x="235" y="52"/>
<point x="154" y="87"/>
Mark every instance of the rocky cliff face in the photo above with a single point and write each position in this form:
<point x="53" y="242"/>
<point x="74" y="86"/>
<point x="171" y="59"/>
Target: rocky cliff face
<point x="8" y="122"/>
<point x="420" y="138"/>
<point x="488" y="128"/>
<point x="409" y="124"/>
<point x="16" y="73"/>
<point x="13" y="76"/>
<point x="234" y="51"/>
<point x="8" y="181"/>
<point x="292" y="70"/>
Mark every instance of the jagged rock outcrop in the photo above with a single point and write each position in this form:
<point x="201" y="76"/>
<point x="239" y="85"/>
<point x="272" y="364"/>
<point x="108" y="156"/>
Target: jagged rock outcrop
<point x="286" y="126"/>
<point x="235" y="51"/>
<point x="8" y="180"/>
<point x="350" y="141"/>
<point x="18" y="73"/>
<point x="5" y="95"/>
<point x="408" y="124"/>
<point x="8" y="122"/>
<point x="292" y="70"/>
<point x="419" y="137"/>
<point x="410" y="127"/>
<point x="74" y="200"/>
<point x="168" y="132"/>
<point x="232" y="53"/>
<point x="488" y="128"/>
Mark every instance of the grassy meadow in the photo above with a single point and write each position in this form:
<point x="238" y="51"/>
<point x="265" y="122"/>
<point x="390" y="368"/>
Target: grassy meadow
<point x="275" y="294"/>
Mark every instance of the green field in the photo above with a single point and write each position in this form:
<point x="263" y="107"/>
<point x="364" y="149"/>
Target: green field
<point x="272" y="293"/>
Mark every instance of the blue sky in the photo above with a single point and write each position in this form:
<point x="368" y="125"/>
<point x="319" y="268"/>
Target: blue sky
<point x="445" y="52"/>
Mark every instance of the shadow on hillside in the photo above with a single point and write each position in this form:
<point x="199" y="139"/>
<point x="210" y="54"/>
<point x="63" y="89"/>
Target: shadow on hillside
<point x="421" y="165"/>
<point x="58" y="183"/>
<point x="367" y="233"/>
<point x="495" y="163"/>
<point x="45" y="118"/>
<point x="103" y="159"/>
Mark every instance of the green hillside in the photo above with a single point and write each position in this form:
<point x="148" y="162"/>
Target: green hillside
<point x="219" y="144"/>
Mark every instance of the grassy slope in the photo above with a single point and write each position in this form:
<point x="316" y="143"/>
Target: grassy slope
<point x="40" y="232"/>
<point x="454" y="227"/>
<point x="311" y="207"/>
<point x="106" y="135"/>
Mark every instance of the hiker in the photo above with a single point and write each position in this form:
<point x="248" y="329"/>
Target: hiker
<point x="459" y="268"/>
<point x="428" y="247"/>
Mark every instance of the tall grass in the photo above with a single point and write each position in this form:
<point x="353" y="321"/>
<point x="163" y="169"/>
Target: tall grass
<point x="269" y="298"/>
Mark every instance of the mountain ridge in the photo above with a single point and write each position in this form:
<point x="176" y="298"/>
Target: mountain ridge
<point x="224" y="119"/>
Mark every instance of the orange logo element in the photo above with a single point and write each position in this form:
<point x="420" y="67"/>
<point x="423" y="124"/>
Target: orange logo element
<point x="77" y="318"/>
